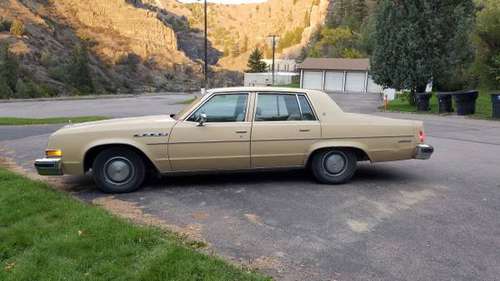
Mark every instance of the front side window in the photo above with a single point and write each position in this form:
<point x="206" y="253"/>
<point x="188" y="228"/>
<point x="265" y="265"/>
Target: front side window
<point x="283" y="107"/>
<point x="223" y="108"/>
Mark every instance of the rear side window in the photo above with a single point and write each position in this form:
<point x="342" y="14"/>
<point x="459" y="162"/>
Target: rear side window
<point x="283" y="107"/>
<point x="277" y="108"/>
<point x="307" y="112"/>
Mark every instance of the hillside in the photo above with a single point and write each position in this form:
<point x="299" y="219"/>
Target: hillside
<point x="236" y="29"/>
<point x="94" y="46"/>
<point x="129" y="49"/>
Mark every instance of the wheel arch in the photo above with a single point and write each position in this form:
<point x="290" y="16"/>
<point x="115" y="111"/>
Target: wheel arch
<point x="92" y="152"/>
<point x="359" y="149"/>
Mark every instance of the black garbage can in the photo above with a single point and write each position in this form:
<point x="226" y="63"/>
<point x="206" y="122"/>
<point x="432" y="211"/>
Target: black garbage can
<point x="495" y="103"/>
<point x="465" y="102"/>
<point x="423" y="101"/>
<point x="444" y="102"/>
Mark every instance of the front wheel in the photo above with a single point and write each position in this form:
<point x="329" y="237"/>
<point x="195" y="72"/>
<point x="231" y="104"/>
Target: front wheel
<point x="118" y="170"/>
<point x="334" y="166"/>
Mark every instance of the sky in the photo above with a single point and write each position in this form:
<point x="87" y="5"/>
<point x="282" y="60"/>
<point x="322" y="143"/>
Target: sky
<point x="226" y="1"/>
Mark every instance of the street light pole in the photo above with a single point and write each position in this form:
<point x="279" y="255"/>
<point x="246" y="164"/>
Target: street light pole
<point x="205" y="72"/>
<point x="274" y="52"/>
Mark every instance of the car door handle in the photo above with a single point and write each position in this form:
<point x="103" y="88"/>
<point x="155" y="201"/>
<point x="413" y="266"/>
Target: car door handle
<point x="304" y="130"/>
<point x="241" y="132"/>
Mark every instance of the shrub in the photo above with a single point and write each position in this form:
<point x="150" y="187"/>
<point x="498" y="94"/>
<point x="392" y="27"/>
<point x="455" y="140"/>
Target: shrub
<point x="17" y="28"/>
<point x="5" y="91"/>
<point x="9" y="66"/>
<point x="5" y="25"/>
<point x="79" y="72"/>
<point x="487" y="35"/>
<point x="29" y="89"/>
<point x="130" y="60"/>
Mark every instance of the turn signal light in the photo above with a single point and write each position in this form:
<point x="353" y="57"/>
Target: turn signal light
<point x="421" y="136"/>
<point x="53" y="153"/>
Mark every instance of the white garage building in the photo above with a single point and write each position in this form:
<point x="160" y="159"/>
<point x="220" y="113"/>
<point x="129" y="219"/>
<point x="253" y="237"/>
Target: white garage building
<point x="337" y="75"/>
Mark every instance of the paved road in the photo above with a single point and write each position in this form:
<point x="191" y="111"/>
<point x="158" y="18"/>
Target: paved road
<point x="114" y="107"/>
<point x="410" y="220"/>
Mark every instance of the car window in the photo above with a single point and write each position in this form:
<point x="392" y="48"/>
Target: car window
<point x="283" y="107"/>
<point x="223" y="108"/>
<point x="307" y="112"/>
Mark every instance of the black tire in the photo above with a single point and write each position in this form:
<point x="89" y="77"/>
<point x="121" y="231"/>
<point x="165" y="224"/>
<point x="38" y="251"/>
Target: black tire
<point x="334" y="166"/>
<point x="118" y="170"/>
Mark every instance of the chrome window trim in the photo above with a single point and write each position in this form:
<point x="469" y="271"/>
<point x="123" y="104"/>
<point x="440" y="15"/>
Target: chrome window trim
<point x="310" y="106"/>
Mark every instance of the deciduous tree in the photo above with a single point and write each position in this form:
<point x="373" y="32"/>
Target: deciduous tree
<point x="416" y="41"/>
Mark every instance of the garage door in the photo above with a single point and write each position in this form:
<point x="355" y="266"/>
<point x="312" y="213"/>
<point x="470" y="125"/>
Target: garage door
<point x="334" y="81"/>
<point x="355" y="82"/>
<point x="373" y="87"/>
<point x="312" y="80"/>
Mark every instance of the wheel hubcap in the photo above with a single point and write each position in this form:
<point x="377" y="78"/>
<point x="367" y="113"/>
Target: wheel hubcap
<point x="334" y="163"/>
<point x="118" y="170"/>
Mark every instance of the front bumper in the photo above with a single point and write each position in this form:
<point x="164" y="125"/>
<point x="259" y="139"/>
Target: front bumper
<point x="424" y="151"/>
<point x="49" y="167"/>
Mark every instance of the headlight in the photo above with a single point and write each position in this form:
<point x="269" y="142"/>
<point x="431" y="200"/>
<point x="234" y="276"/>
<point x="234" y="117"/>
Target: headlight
<point x="53" y="153"/>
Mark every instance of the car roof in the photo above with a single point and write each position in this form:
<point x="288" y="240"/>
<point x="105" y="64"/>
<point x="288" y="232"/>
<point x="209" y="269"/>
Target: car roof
<point x="261" y="89"/>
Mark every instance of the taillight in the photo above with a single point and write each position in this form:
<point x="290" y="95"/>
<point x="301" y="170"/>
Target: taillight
<point x="421" y="136"/>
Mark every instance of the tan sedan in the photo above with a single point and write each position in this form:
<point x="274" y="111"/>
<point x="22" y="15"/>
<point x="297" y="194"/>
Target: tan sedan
<point x="233" y="129"/>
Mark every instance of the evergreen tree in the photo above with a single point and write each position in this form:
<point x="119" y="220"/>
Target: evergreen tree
<point x="415" y="41"/>
<point x="255" y="63"/>
<point x="79" y="72"/>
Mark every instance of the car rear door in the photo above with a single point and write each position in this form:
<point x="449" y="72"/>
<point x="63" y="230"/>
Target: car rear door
<point x="284" y="127"/>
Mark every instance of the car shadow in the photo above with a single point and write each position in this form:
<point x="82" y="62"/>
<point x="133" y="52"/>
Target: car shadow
<point x="366" y="175"/>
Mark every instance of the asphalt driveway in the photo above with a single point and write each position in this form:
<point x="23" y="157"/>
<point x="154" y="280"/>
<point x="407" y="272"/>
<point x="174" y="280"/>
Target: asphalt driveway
<point x="409" y="220"/>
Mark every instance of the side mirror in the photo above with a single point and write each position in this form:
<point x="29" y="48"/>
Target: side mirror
<point x="202" y="119"/>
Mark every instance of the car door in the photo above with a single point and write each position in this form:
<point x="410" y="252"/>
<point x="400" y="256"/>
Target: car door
<point x="221" y="143"/>
<point x="284" y="127"/>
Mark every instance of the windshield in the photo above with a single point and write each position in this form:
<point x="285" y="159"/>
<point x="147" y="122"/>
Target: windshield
<point x="187" y="108"/>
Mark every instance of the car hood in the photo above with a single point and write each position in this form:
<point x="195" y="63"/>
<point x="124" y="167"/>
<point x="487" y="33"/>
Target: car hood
<point x="131" y="123"/>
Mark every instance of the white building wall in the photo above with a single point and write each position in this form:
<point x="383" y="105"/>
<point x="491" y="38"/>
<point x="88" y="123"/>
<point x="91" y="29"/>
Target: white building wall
<point x="265" y="79"/>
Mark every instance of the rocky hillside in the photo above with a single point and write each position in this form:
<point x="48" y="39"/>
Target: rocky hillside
<point x="236" y="29"/>
<point x="95" y="46"/>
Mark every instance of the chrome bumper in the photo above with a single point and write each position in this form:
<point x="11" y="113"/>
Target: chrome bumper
<point x="49" y="167"/>
<point x="424" y="151"/>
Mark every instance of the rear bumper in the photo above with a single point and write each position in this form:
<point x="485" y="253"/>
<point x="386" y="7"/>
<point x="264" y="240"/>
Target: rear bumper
<point x="49" y="167"/>
<point x="424" y="151"/>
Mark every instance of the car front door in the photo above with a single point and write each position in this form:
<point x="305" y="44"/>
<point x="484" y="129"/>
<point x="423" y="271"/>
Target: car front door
<point x="284" y="128"/>
<point x="222" y="142"/>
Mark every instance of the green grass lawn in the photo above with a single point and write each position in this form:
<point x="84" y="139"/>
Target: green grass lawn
<point x="47" y="235"/>
<point x="187" y="101"/>
<point x="483" y="106"/>
<point x="292" y="85"/>
<point x="6" y="121"/>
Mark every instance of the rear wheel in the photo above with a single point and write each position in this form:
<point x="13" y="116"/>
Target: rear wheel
<point x="118" y="170"/>
<point x="334" y="166"/>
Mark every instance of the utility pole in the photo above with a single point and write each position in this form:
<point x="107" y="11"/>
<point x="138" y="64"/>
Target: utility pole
<point x="273" y="37"/>
<point x="205" y="72"/>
